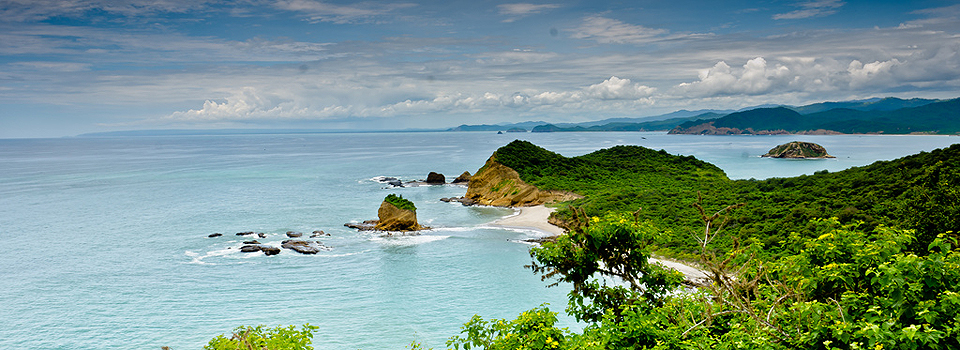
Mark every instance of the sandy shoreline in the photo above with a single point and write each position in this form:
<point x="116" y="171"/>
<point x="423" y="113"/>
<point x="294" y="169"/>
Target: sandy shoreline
<point x="530" y="218"/>
<point x="536" y="218"/>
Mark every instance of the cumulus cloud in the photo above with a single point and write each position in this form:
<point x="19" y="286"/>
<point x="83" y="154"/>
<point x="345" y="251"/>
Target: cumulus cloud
<point x="245" y="104"/>
<point x="809" y="9"/>
<point x="590" y="98"/>
<point x="754" y="78"/>
<point x="520" y="10"/>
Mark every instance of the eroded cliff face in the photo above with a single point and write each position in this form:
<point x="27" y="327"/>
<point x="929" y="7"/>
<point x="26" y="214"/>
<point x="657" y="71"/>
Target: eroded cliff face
<point x="497" y="185"/>
<point x="396" y="219"/>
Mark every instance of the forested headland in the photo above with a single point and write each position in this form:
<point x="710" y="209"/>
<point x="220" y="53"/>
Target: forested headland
<point x="862" y="258"/>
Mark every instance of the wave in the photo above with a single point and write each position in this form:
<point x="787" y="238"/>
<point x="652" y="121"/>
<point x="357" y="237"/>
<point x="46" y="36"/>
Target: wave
<point x="407" y="240"/>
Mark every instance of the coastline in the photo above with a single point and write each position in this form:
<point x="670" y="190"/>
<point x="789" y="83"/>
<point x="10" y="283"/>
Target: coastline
<point x="536" y="217"/>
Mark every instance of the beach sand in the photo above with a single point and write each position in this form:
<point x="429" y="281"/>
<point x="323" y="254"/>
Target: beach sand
<point x="531" y="218"/>
<point x="536" y="218"/>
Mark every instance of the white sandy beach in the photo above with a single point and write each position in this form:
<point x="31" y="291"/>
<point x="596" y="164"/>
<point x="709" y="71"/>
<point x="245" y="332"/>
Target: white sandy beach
<point x="536" y="218"/>
<point x="531" y="218"/>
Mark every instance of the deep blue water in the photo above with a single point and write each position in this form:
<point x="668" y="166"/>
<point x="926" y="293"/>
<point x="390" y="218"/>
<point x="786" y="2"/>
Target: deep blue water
<point x="107" y="248"/>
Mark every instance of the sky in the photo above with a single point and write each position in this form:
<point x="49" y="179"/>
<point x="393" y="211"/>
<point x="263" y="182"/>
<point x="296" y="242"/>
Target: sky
<point x="69" y="67"/>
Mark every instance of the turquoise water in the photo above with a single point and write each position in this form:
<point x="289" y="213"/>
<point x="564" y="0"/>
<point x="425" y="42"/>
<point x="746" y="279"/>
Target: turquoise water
<point x="107" y="243"/>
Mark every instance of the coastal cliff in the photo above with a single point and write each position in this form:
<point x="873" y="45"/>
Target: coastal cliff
<point x="498" y="185"/>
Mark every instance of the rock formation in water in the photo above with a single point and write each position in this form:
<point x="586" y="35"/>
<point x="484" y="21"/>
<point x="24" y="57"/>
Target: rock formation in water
<point x="465" y="177"/>
<point x="304" y="247"/>
<point x="436" y="178"/>
<point x="797" y="149"/>
<point x="498" y="185"/>
<point x="396" y="219"/>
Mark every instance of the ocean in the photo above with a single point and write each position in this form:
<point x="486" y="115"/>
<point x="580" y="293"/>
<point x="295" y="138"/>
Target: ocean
<point x="108" y="248"/>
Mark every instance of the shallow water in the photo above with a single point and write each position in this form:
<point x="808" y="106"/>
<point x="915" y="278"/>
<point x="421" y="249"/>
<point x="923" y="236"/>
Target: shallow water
<point x="108" y="248"/>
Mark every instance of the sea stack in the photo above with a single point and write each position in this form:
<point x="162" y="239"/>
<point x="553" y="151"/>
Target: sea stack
<point x="799" y="150"/>
<point x="397" y="214"/>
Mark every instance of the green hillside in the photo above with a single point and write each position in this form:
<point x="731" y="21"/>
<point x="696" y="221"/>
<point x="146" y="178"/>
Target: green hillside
<point x="942" y="117"/>
<point x="627" y="178"/>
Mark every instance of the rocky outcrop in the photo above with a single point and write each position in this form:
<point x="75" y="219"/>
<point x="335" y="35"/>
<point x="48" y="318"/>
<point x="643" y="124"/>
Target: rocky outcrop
<point x="304" y="247"/>
<point x="465" y="177"/>
<point x="393" y="218"/>
<point x="294" y="234"/>
<point x="498" y="185"/>
<point x="368" y="225"/>
<point x="797" y="149"/>
<point x="253" y="248"/>
<point x="462" y="200"/>
<point x="436" y="178"/>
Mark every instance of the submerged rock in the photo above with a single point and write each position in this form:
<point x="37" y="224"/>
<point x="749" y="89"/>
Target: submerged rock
<point x="253" y="248"/>
<point x="212" y="235"/>
<point x="267" y="250"/>
<point x="245" y="233"/>
<point x="799" y="150"/>
<point x="462" y="200"/>
<point x="368" y="225"/>
<point x="293" y="234"/>
<point x="250" y="248"/>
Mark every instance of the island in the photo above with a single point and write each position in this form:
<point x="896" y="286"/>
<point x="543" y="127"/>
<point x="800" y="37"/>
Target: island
<point x="798" y="150"/>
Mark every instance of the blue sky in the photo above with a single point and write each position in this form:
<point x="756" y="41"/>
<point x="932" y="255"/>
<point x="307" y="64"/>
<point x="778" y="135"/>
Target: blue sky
<point x="76" y="66"/>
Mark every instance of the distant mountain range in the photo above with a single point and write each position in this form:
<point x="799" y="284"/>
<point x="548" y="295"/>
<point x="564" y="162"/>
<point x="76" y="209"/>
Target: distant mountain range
<point x="877" y="115"/>
<point x="885" y="116"/>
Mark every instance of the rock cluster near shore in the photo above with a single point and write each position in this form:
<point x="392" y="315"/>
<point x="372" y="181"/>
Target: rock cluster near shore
<point x="433" y="178"/>
<point x="299" y="246"/>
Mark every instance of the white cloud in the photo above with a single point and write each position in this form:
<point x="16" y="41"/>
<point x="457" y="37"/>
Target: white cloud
<point x="754" y="78"/>
<point x="245" y="104"/>
<point x="520" y="10"/>
<point x="326" y="12"/>
<point x="610" y="31"/>
<point x="864" y="74"/>
<point x="809" y="9"/>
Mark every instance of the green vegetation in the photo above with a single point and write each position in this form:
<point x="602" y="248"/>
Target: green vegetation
<point x="399" y="202"/>
<point x="865" y="258"/>
<point x="916" y="192"/>
<point x="844" y="289"/>
<point x="259" y="337"/>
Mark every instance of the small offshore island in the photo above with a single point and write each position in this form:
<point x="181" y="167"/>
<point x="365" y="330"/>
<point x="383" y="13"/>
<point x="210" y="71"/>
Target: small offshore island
<point x="798" y="150"/>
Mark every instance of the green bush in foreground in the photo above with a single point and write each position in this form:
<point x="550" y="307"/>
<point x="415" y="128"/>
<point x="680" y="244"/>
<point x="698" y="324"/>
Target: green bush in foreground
<point x="841" y="289"/>
<point x="261" y="338"/>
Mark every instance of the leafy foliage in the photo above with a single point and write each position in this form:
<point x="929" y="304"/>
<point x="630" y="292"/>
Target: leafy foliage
<point x="843" y="289"/>
<point x="260" y="337"/>
<point x="400" y="202"/>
